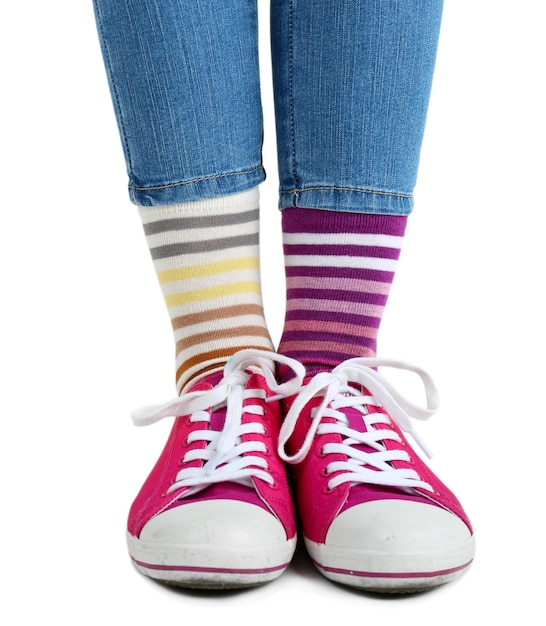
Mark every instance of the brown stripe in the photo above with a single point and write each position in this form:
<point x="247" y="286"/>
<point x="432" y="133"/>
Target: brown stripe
<point x="214" y="314"/>
<point x="225" y="333"/>
<point x="219" y="355"/>
<point x="208" y="368"/>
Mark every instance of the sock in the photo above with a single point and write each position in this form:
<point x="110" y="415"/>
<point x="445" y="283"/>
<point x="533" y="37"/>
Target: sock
<point x="206" y="255"/>
<point x="339" y="269"/>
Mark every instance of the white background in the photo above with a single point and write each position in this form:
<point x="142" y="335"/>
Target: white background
<point x="85" y="335"/>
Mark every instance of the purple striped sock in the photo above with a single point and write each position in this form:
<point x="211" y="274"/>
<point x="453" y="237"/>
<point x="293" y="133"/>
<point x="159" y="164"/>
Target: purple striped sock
<point x="339" y="269"/>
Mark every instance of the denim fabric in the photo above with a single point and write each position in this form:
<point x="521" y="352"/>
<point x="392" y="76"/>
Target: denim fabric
<point x="351" y="79"/>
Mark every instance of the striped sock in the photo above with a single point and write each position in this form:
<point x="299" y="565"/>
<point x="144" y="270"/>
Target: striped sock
<point x="206" y="255"/>
<point x="339" y="269"/>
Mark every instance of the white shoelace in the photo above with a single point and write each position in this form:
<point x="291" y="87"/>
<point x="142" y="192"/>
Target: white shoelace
<point x="338" y="390"/>
<point x="226" y="457"/>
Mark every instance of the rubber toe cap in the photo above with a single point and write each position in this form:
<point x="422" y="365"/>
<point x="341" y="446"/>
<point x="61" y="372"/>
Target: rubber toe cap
<point x="397" y="526"/>
<point x="215" y="522"/>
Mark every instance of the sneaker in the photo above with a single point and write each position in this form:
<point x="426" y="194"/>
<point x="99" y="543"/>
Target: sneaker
<point x="216" y="511"/>
<point x="373" y="515"/>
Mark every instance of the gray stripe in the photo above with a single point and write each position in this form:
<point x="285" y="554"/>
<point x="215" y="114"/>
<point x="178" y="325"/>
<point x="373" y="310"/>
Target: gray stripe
<point x="164" y="252"/>
<point x="205" y="221"/>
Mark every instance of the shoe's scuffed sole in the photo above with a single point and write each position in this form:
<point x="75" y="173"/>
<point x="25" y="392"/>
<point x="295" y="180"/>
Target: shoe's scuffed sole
<point x="208" y="567"/>
<point x="387" y="573"/>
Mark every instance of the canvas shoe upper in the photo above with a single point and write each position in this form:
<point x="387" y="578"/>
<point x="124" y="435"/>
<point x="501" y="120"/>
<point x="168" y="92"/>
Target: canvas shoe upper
<point x="215" y="511"/>
<point x="373" y="515"/>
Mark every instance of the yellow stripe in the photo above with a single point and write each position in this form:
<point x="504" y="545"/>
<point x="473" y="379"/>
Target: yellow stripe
<point x="209" y="293"/>
<point x="198" y="271"/>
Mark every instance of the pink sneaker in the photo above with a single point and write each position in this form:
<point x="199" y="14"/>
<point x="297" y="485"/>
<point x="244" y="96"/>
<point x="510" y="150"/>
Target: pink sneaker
<point x="373" y="515"/>
<point x="216" y="511"/>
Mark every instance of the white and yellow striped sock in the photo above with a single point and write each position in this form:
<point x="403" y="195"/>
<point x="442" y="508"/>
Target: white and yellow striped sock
<point x="206" y="255"/>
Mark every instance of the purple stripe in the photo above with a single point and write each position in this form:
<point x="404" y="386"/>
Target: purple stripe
<point x="298" y="220"/>
<point x="340" y="272"/>
<point x="334" y="338"/>
<point x="348" y="318"/>
<point x="314" y="331"/>
<point x="357" y="331"/>
<point x="343" y="250"/>
<point x="352" y="572"/>
<point x="321" y="357"/>
<point x="316" y="362"/>
<point x="219" y="570"/>
<point x="362" y="297"/>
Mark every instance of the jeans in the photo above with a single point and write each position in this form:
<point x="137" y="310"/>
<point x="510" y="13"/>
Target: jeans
<point x="351" y="82"/>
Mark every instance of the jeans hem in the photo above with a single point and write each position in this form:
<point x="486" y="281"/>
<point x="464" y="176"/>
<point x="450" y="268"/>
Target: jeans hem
<point x="348" y="200"/>
<point x="197" y="189"/>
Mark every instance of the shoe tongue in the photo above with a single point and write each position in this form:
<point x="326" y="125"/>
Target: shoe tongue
<point x="214" y="378"/>
<point x="217" y="419"/>
<point x="356" y="420"/>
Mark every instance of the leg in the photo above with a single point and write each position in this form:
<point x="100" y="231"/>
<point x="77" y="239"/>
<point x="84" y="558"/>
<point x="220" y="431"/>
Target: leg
<point x="352" y="82"/>
<point x="352" y="89"/>
<point x="185" y="86"/>
<point x="215" y="511"/>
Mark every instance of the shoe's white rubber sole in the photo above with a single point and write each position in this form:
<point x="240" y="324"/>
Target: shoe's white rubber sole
<point x="209" y="567"/>
<point x="212" y="545"/>
<point x="380" y="573"/>
<point x="394" y="546"/>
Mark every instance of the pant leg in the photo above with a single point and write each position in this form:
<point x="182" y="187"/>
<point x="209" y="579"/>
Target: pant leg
<point x="184" y="80"/>
<point x="352" y="81"/>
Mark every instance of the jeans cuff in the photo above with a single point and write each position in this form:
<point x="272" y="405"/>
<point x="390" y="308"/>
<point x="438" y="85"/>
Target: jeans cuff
<point x="347" y="199"/>
<point x="197" y="189"/>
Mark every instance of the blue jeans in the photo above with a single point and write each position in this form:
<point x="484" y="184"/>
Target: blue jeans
<point x="351" y="83"/>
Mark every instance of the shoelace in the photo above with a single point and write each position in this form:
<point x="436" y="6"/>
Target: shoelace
<point x="341" y="389"/>
<point x="226" y="457"/>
